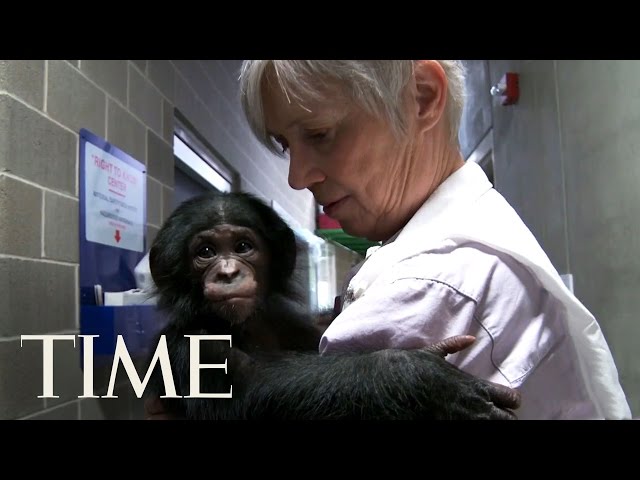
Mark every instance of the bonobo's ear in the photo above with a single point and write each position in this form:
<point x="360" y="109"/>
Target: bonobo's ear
<point x="287" y="247"/>
<point x="166" y="254"/>
<point x="160" y="269"/>
<point x="153" y="261"/>
<point x="279" y="237"/>
<point x="283" y="247"/>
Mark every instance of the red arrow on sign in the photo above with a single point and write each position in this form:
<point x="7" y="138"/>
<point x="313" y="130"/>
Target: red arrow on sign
<point x="117" y="236"/>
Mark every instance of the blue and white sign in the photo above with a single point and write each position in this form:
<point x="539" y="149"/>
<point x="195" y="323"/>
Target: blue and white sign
<point x="114" y="200"/>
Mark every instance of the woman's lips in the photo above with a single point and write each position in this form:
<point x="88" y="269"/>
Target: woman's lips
<point x="331" y="208"/>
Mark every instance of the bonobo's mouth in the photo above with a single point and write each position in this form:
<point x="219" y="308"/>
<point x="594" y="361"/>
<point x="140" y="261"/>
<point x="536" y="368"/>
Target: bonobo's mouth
<point x="231" y="298"/>
<point x="216" y="293"/>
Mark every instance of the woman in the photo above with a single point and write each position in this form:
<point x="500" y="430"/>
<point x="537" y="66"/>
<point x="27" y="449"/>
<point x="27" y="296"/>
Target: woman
<point x="376" y="144"/>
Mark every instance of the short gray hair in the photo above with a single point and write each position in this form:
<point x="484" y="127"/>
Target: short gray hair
<point x="376" y="85"/>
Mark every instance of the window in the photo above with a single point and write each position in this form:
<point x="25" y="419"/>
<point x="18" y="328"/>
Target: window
<point x="191" y="160"/>
<point x="198" y="167"/>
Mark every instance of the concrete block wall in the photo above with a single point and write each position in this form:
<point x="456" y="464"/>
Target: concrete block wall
<point x="566" y="158"/>
<point x="43" y="104"/>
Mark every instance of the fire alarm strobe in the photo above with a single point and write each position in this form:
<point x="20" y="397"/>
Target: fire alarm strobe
<point x="507" y="88"/>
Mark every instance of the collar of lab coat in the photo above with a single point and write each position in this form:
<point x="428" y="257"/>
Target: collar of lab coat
<point x="466" y="208"/>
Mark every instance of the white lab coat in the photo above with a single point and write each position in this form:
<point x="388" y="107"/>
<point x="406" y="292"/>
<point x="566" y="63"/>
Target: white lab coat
<point x="467" y="208"/>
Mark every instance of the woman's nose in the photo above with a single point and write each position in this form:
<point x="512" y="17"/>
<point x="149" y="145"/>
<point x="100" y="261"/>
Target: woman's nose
<point x="302" y="172"/>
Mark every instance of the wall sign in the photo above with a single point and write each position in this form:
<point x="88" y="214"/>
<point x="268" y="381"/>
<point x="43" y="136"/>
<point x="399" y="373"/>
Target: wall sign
<point x="112" y="240"/>
<point x="114" y="200"/>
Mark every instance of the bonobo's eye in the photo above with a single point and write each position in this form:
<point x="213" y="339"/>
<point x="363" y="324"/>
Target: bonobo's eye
<point x="206" y="252"/>
<point x="244" y="247"/>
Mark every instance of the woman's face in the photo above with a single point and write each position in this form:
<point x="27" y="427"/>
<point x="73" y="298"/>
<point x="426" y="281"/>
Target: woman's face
<point x="351" y="161"/>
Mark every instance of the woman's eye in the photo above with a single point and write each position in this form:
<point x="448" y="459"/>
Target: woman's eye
<point x="317" y="136"/>
<point x="282" y="143"/>
<point x="206" y="252"/>
<point x="244" y="247"/>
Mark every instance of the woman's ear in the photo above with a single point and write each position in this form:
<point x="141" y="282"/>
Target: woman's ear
<point x="430" y="82"/>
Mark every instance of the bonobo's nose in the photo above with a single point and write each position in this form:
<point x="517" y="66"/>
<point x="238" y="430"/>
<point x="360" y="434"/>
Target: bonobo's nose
<point x="227" y="271"/>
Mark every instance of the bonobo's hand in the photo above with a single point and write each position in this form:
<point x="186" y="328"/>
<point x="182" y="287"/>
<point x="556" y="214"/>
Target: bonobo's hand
<point x="476" y="398"/>
<point x="451" y="345"/>
<point x="240" y="365"/>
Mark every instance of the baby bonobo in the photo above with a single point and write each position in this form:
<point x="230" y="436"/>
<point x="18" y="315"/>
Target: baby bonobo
<point x="223" y="264"/>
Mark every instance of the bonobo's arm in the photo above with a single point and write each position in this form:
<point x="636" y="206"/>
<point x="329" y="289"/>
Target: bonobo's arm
<point x="388" y="384"/>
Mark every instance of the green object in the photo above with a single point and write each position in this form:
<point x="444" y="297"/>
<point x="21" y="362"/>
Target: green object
<point x="359" y="245"/>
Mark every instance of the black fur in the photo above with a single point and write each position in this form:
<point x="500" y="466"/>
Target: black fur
<point x="284" y="377"/>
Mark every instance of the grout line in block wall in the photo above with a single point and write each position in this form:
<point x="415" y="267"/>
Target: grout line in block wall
<point x="46" y="84"/>
<point x="43" y="260"/>
<point x="44" y="199"/>
<point x="33" y="184"/>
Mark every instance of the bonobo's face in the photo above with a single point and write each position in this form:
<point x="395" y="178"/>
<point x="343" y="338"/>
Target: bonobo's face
<point x="231" y="262"/>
